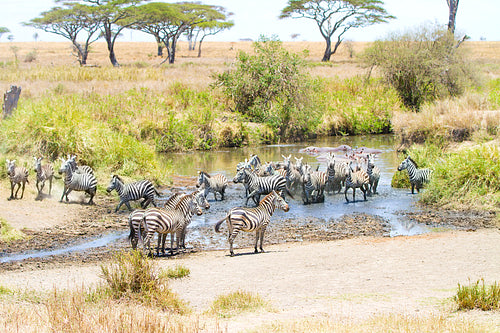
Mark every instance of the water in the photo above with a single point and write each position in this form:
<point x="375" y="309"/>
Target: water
<point x="387" y="204"/>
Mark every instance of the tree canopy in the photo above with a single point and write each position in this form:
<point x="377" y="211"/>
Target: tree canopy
<point x="336" y="17"/>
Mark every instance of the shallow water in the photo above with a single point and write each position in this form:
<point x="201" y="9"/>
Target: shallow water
<point x="387" y="203"/>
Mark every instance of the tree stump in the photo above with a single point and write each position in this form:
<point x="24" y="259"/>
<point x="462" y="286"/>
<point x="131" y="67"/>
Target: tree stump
<point x="10" y="99"/>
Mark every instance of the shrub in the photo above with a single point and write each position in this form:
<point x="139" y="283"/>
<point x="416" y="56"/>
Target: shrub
<point x="422" y="65"/>
<point x="30" y="56"/>
<point x="272" y="87"/>
<point x="478" y="296"/>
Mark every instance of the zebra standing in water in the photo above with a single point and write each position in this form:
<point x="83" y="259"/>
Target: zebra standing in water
<point x="260" y="185"/>
<point x="213" y="184"/>
<point x="292" y="175"/>
<point x="77" y="181"/>
<point x="169" y="221"/>
<point x="43" y="173"/>
<point x="252" y="219"/>
<point x="356" y="179"/>
<point x="313" y="185"/>
<point x="18" y="176"/>
<point x="373" y="172"/>
<point x="142" y="189"/>
<point x="330" y="172"/>
<point x="418" y="177"/>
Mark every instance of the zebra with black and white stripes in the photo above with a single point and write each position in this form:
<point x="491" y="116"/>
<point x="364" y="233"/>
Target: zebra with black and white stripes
<point x="162" y="221"/>
<point x="373" y="172"/>
<point x="142" y="189"/>
<point x="74" y="181"/>
<point x="292" y="175"/>
<point x="313" y="185"/>
<point x="418" y="177"/>
<point x="43" y="173"/>
<point x="330" y="172"/>
<point x="260" y="185"/>
<point x="18" y="175"/>
<point x="356" y="179"/>
<point x="252" y="219"/>
<point x="212" y="184"/>
<point x="80" y="168"/>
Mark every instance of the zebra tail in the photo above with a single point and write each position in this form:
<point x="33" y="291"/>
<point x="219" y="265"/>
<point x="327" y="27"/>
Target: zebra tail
<point x="218" y="224"/>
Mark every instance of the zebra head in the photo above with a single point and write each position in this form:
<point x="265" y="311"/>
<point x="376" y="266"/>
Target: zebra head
<point x="240" y="176"/>
<point x="11" y="166"/>
<point x="113" y="183"/>
<point x="279" y="202"/>
<point x="298" y="163"/>
<point x="371" y="160"/>
<point x="193" y="206"/>
<point x="201" y="178"/>
<point x="65" y="166"/>
<point x="404" y="164"/>
<point x="201" y="199"/>
<point x="38" y="163"/>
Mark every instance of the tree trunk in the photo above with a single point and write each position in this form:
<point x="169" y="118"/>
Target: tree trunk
<point x="160" y="47"/>
<point x="328" y="50"/>
<point x="199" y="48"/>
<point x="453" y="6"/>
<point x="112" y="56"/>
<point x="10" y="99"/>
<point x="111" y="45"/>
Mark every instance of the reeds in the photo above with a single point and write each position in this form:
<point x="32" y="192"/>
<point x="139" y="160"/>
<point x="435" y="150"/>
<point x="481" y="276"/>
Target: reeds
<point x="477" y="295"/>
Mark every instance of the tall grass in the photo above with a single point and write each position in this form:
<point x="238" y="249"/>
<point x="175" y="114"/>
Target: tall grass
<point x="478" y="296"/>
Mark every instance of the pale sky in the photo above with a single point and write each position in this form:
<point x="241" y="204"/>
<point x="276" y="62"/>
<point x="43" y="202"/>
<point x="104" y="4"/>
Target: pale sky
<point x="252" y="18"/>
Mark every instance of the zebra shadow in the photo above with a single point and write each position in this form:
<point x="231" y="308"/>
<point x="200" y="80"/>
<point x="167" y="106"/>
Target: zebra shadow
<point x="243" y="254"/>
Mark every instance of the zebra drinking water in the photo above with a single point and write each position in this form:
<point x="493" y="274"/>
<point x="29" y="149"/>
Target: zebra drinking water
<point x="74" y="181"/>
<point x="142" y="189"/>
<point x="418" y="177"/>
<point x="213" y="184"/>
<point x="18" y="176"/>
<point x="252" y="219"/>
<point x="43" y="173"/>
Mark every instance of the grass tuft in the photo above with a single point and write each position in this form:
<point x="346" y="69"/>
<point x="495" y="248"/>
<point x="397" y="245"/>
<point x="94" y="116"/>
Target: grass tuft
<point x="237" y="302"/>
<point x="478" y="296"/>
<point x="9" y="234"/>
<point x="177" y="272"/>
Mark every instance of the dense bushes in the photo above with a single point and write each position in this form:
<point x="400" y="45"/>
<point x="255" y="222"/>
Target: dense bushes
<point x="422" y="65"/>
<point x="272" y="87"/>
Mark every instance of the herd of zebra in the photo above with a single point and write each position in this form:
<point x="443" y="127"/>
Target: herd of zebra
<point x="173" y="215"/>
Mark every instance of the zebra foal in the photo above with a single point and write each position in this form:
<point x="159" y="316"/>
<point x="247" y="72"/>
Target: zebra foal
<point x="43" y="173"/>
<point x="74" y="181"/>
<point x="213" y="184"/>
<point x="418" y="177"/>
<point x="142" y="189"/>
<point x="18" y="176"/>
<point x="252" y="219"/>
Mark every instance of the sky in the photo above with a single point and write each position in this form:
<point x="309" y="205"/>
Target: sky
<point x="253" y="18"/>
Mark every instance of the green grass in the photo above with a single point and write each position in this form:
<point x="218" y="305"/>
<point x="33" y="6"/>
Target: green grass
<point x="237" y="302"/>
<point x="177" y="272"/>
<point x="478" y="296"/>
<point x="9" y="234"/>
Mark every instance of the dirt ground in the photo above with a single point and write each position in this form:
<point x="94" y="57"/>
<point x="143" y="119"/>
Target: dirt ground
<point x="351" y="274"/>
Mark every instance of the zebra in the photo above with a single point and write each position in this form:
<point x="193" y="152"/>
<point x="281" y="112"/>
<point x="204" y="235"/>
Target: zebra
<point x="80" y="168"/>
<point x="252" y="219"/>
<point x="216" y="183"/>
<point x="418" y="177"/>
<point x="170" y="222"/>
<point x="313" y="185"/>
<point x="260" y="185"/>
<point x="142" y="189"/>
<point x="252" y="163"/>
<point x="341" y="173"/>
<point x="330" y="172"/>
<point x="373" y="172"/>
<point x="292" y="175"/>
<point x="77" y="181"/>
<point x="201" y="200"/>
<point x="43" y="173"/>
<point x="356" y="179"/>
<point x="18" y="176"/>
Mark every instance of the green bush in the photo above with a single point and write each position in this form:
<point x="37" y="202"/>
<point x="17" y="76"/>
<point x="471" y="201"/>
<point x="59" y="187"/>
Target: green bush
<point x="422" y="65"/>
<point x="272" y="87"/>
<point x="478" y="296"/>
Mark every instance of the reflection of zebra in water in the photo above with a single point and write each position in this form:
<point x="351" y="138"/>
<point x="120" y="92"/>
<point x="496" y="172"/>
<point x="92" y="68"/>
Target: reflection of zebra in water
<point x="169" y="221"/>
<point x="43" y="173"/>
<point x="418" y="177"/>
<point x="260" y="185"/>
<point x="18" y="176"/>
<point x="142" y="189"/>
<point x="213" y="184"/>
<point x="252" y="219"/>
<point x="356" y="179"/>
<point x="373" y="172"/>
<point x="74" y="181"/>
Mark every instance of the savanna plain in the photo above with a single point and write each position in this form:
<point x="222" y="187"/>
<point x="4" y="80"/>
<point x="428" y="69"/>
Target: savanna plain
<point x="351" y="284"/>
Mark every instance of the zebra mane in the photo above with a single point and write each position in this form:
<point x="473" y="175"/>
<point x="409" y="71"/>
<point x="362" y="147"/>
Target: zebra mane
<point x="172" y="198"/>
<point x="184" y="198"/>
<point x="412" y="161"/>
<point x="206" y="174"/>
<point x="272" y="193"/>
<point x="118" y="177"/>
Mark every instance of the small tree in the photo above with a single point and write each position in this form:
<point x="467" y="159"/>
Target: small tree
<point x="422" y="65"/>
<point x="337" y="17"/>
<point x="271" y="87"/>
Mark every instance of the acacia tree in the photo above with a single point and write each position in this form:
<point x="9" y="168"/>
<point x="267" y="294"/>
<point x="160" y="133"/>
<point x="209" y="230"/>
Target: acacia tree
<point x="336" y="17"/>
<point x="168" y="21"/>
<point x="70" y="22"/>
<point x="210" y="29"/>
<point x="453" y="7"/>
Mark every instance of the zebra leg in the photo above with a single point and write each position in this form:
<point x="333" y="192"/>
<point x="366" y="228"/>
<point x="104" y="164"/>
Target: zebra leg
<point x="22" y="192"/>
<point x="353" y="194"/>
<point x="412" y="188"/>
<point x="172" y="244"/>
<point x="257" y="237"/>
<point x="345" y="194"/>
<point x="92" y="194"/>
<point x="50" y="185"/>
<point x="128" y="206"/>
<point x="68" y="191"/>
<point x="262" y="231"/>
<point x="232" y="236"/>
<point x="363" y="189"/>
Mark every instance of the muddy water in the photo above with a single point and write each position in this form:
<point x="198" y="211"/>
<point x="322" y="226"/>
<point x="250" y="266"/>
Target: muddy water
<point x="387" y="204"/>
